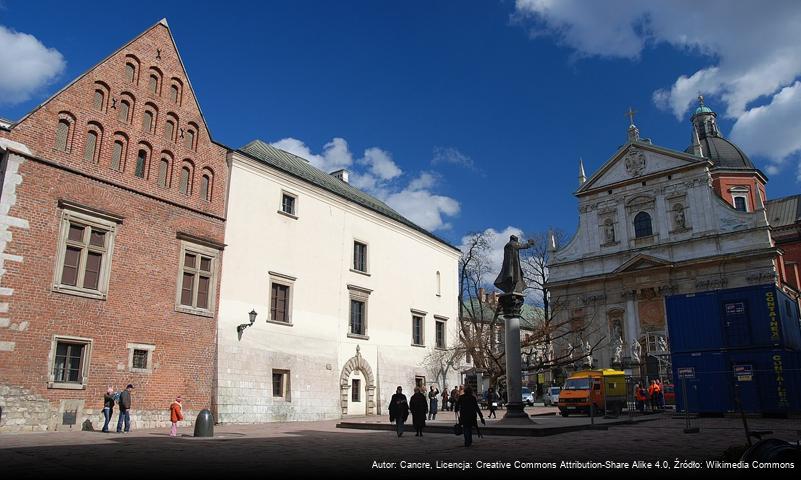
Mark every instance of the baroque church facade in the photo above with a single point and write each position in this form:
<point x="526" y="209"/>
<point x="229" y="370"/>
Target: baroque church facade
<point x="656" y="222"/>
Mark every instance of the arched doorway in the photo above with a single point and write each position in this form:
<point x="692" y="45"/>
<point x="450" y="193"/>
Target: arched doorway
<point x="357" y="387"/>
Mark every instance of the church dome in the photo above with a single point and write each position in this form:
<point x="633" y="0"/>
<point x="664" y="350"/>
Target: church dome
<point x="722" y="153"/>
<point x="708" y="142"/>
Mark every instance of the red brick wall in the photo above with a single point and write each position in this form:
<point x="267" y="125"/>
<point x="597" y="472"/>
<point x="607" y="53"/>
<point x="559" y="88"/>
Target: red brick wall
<point x="140" y="307"/>
<point x="722" y="184"/>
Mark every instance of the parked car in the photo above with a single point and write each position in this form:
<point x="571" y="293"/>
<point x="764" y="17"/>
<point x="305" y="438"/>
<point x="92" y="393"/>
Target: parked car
<point x="551" y="396"/>
<point x="528" y="396"/>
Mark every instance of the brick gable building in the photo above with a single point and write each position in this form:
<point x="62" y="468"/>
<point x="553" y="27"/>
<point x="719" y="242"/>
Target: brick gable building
<point x="112" y="221"/>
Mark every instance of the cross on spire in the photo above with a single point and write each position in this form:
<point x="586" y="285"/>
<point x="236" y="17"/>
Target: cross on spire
<point x="630" y="114"/>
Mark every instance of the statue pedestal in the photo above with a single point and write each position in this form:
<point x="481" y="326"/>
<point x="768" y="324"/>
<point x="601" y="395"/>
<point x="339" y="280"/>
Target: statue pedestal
<point x="511" y="305"/>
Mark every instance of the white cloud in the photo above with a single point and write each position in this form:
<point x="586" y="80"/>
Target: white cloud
<point x="377" y="174"/>
<point x="380" y="163"/>
<point x="27" y="66"/>
<point x="752" y="50"/>
<point x="335" y="154"/>
<point x="450" y="155"/>
<point x="497" y="240"/>
<point x="772" y="130"/>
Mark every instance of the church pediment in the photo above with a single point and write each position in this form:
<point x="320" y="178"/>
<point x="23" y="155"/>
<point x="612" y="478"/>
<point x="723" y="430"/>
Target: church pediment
<point x="637" y="160"/>
<point x="642" y="262"/>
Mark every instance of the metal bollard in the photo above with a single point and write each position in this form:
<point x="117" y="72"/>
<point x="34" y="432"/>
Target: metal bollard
<point x="204" y="424"/>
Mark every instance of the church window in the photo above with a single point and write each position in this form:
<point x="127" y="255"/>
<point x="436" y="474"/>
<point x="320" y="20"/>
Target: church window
<point x="169" y="130"/>
<point x="122" y="113"/>
<point x="185" y="186"/>
<point x="141" y="163"/>
<point x="147" y="121"/>
<point x="130" y="72"/>
<point x="62" y="135"/>
<point x="740" y="204"/>
<point x="91" y="146"/>
<point x="118" y="154"/>
<point x="164" y="172"/>
<point x="205" y="184"/>
<point x="642" y="225"/>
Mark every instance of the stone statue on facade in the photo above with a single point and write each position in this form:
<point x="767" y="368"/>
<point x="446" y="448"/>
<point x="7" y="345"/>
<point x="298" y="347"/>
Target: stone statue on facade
<point x="609" y="232"/>
<point x="636" y="351"/>
<point x="587" y="353"/>
<point x="510" y="280"/>
<point x="661" y="344"/>
<point x="678" y="217"/>
<point x="616" y="346"/>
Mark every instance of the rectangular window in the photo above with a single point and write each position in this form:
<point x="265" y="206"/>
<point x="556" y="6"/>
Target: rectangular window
<point x="359" y="256"/>
<point x="440" y="333"/>
<point x="279" y="299"/>
<point x="69" y="362"/>
<point x="288" y="204"/>
<point x="67" y="368"/>
<point x="281" y="384"/>
<point x="356" y="317"/>
<point x="739" y="204"/>
<point x="196" y="279"/>
<point x="84" y="254"/>
<point x="356" y="390"/>
<point x="417" y="330"/>
<point x="140" y="359"/>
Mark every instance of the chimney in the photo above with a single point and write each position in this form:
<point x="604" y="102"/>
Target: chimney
<point x="341" y="174"/>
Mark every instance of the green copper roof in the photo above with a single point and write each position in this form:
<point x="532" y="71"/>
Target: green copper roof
<point x="301" y="168"/>
<point x="703" y="109"/>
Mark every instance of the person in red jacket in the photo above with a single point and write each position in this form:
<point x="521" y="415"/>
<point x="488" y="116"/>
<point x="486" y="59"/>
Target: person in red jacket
<point x="641" y="397"/>
<point x="176" y="415"/>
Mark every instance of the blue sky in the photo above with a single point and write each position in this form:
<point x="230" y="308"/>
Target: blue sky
<point x="463" y="116"/>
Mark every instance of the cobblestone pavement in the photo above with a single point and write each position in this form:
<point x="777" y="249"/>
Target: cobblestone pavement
<point x="321" y="447"/>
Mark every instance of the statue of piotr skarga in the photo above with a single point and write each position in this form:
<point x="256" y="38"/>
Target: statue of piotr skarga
<point x="510" y="280"/>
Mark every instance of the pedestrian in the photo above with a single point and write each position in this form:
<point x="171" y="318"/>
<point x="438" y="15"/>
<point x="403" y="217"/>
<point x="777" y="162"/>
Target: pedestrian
<point x="108" y="408"/>
<point x="468" y="409"/>
<point x="125" y="407"/>
<point x="433" y="400"/>
<point x="419" y="408"/>
<point x="492" y="403"/>
<point x="445" y="399"/>
<point x="640" y="398"/>
<point x="660" y="394"/>
<point x="176" y="415"/>
<point x="454" y="397"/>
<point x="398" y="409"/>
<point x="652" y="394"/>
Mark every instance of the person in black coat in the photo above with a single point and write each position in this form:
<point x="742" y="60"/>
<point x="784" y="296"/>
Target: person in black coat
<point x="419" y="408"/>
<point x="468" y="408"/>
<point x="492" y="402"/>
<point x="398" y="410"/>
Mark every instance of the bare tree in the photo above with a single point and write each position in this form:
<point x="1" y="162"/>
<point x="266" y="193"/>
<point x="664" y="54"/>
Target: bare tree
<point x="558" y="338"/>
<point x="440" y="361"/>
<point x="478" y="312"/>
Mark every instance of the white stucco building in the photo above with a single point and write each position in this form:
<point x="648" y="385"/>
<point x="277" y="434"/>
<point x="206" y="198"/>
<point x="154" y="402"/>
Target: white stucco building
<point x="349" y="295"/>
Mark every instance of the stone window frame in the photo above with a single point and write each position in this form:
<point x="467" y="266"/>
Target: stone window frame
<point x="419" y="314"/>
<point x="740" y="192"/>
<point x="359" y="294"/>
<point x="85" y="362"/>
<point x="294" y="213"/>
<point x="353" y="268"/>
<point x="73" y="213"/>
<point x="197" y="249"/>
<point x="286" y="391"/>
<point x="150" y="348"/>
<point x="439" y="319"/>
<point x="287" y="281"/>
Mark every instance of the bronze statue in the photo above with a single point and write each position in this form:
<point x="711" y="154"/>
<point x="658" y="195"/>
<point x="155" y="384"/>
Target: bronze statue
<point x="510" y="280"/>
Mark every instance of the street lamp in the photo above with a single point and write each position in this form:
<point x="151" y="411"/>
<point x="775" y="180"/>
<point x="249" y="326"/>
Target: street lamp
<point x="630" y="402"/>
<point x="241" y="328"/>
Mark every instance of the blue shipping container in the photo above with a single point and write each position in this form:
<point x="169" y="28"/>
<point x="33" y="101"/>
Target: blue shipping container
<point x="774" y="386"/>
<point x="708" y="386"/>
<point x="737" y="318"/>
<point x="769" y="381"/>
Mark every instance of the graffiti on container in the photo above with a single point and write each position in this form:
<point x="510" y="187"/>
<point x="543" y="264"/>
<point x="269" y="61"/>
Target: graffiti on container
<point x="778" y="370"/>
<point x="774" y="320"/>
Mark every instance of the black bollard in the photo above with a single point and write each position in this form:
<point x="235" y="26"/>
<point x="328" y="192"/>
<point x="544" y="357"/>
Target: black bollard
<point x="204" y="424"/>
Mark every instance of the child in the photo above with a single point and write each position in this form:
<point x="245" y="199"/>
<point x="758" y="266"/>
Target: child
<point x="176" y="415"/>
